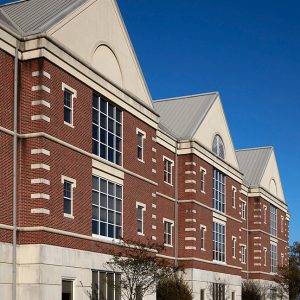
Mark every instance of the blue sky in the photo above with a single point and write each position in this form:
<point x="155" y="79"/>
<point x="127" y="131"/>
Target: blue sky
<point x="249" y="51"/>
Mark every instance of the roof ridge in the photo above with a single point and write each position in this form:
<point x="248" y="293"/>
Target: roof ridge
<point x="254" y="148"/>
<point x="185" y="97"/>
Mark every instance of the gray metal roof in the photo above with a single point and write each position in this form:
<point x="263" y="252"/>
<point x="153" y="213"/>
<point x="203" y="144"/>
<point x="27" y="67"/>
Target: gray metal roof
<point x="253" y="163"/>
<point x="183" y="115"/>
<point x="36" y="16"/>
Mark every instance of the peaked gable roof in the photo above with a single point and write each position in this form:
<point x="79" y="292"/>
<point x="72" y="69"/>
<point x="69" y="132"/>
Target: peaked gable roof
<point x="37" y="16"/>
<point x="253" y="163"/>
<point x="181" y="116"/>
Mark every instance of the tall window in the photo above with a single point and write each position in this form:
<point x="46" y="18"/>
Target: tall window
<point x="202" y="294"/>
<point x="218" y="146"/>
<point x="168" y="233"/>
<point x="168" y="171"/>
<point x="202" y="180"/>
<point x="265" y="256"/>
<point x="202" y="237"/>
<point x="68" y="107"/>
<point x="273" y="220"/>
<point x="69" y="185"/>
<point x="68" y="197"/>
<point x="140" y="144"/>
<point x="218" y="242"/>
<point x="273" y="255"/>
<point x="243" y="254"/>
<point x="218" y="291"/>
<point x="106" y="285"/>
<point x="233" y="195"/>
<point x="282" y="223"/>
<point x="67" y="289"/>
<point x="234" y="247"/>
<point x="219" y="191"/>
<point x="243" y="210"/>
<point x="107" y="130"/>
<point x="107" y="208"/>
<point x="140" y="217"/>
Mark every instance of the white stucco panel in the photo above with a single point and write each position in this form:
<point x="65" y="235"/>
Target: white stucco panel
<point x="271" y="178"/>
<point x="215" y="123"/>
<point x="97" y="34"/>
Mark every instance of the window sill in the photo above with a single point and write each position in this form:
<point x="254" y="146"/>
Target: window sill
<point x="141" y="234"/>
<point x="106" y="239"/>
<point x="168" y="246"/>
<point x="140" y="160"/>
<point x="68" y="124"/>
<point x="69" y="216"/>
<point x="170" y="184"/>
<point x="203" y="192"/>
<point x="203" y="249"/>
<point x="219" y="262"/>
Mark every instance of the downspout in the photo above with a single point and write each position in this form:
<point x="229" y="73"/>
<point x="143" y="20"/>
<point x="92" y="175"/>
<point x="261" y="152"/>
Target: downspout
<point x="15" y="157"/>
<point x="176" y="206"/>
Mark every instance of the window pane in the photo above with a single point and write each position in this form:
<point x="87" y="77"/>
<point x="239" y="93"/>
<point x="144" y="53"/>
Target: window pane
<point x="67" y="290"/>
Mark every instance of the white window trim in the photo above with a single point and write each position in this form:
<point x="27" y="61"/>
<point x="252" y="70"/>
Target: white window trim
<point x="143" y="133"/>
<point x="282" y="224"/>
<point x="73" y="186"/>
<point x="233" y="189"/>
<point x="172" y="225"/>
<point x="245" y="247"/>
<point x="73" y="280"/>
<point x="172" y="165"/>
<point x="225" y="243"/>
<point x="64" y="87"/>
<point x="143" y="210"/>
<point x="245" y="205"/>
<point x="204" y="236"/>
<point x="204" y="172"/>
<point x="233" y="238"/>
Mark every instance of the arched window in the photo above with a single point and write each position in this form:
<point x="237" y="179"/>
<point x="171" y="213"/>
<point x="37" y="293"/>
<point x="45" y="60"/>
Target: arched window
<point x="218" y="147"/>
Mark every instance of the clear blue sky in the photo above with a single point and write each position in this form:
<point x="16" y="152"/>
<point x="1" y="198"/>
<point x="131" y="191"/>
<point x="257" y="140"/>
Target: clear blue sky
<point x="249" y="51"/>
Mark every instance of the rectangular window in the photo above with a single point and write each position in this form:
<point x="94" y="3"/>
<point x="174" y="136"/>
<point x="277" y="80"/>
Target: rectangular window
<point x="265" y="256"/>
<point x="282" y="259"/>
<point x="243" y="254"/>
<point x="140" y="217"/>
<point x="202" y="180"/>
<point x="140" y="144"/>
<point x="273" y="220"/>
<point x="202" y="237"/>
<point x="107" y="208"/>
<point x="107" y="130"/>
<point x="273" y="255"/>
<point x="243" y="210"/>
<point x="68" y="107"/>
<point x="168" y="233"/>
<point x="273" y="294"/>
<point x="202" y="294"/>
<point x="69" y="185"/>
<point x="168" y="171"/>
<point x="106" y="285"/>
<point x="232" y="295"/>
<point x="234" y="247"/>
<point x="67" y="289"/>
<point x="218" y="291"/>
<point x="233" y="195"/>
<point x="218" y="242"/>
<point x="219" y="191"/>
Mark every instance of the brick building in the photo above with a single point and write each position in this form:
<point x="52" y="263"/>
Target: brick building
<point x="88" y="157"/>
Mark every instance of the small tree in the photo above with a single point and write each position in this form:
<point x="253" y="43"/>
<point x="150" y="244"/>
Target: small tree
<point x="251" y="290"/>
<point x="140" y="268"/>
<point x="174" y="288"/>
<point x="288" y="276"/>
